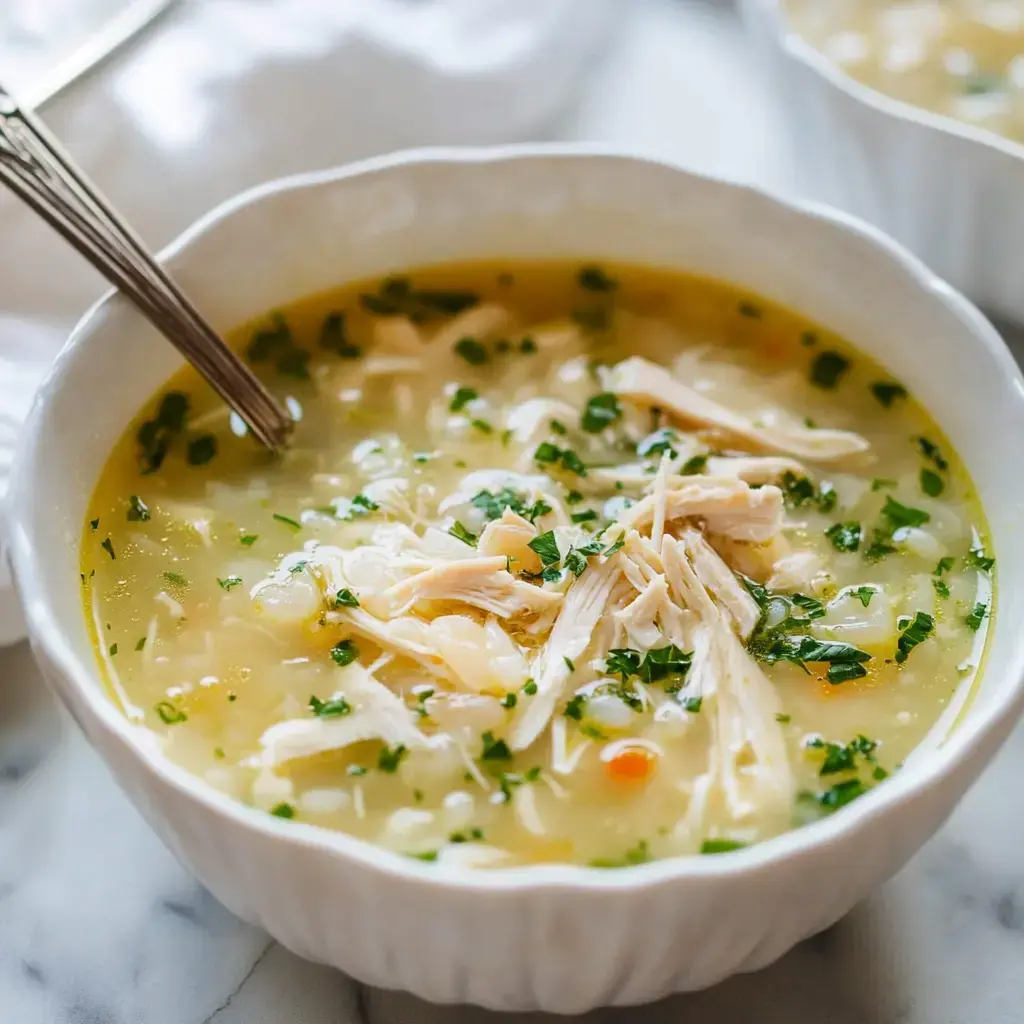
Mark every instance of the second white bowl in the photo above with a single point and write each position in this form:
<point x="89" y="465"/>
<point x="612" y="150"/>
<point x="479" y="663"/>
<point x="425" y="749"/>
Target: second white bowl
<point x="952" y="193"/>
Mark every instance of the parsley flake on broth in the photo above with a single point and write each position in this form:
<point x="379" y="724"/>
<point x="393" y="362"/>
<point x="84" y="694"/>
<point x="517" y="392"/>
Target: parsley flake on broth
<point x="479" y="612"/>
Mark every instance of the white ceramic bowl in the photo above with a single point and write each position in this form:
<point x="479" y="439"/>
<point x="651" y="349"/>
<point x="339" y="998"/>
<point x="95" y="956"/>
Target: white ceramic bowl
<point x="951" y="193"/>
<point x="560" y="938"/>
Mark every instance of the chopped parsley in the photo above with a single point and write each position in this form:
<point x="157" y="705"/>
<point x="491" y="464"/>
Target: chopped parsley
<point x="390" y="758"/>
<point x="659" y="442"/>
<point x="799" y="491"/>
<point x="334" y="336"/>
<point x="841" y="794"/>
<point x="334" y="708"/>
<point x="154" y="437"/>
<point x="943" y="566"/>
<point x="175" y="579"/>
<point x="913" y="631"/>
<point x="931" y="452"/>
<point x="138" y="510"/>
<point x="494" y="749"/>
<point x="248" y="539"/>
<point x="346" y="598"/>
<point x="974" y="559"/>
<point x="941" y="588"/>
<point x="169" y="713"/>
<point x="493" y="505"/>
<point x="283" y="811"/>
<point x="845" y="536"/>
<point x="575" y="707"/>
<point x="693" y="465"/>
<point x="658" y="664"/>
<point x="344" y="652"/>
<point x="976" y="616"/>
<point x="550" y="454"/>
<point x="529" y="688"/>
<point x="140" y="644"/>
<point x="710" y="846"/>
<point x="113" y="650"/>
<point x="289" y="522"/>
<point x="931" y="483"/>
<point x="472" y="351"/>
<point x="586" y="516"/>
<point x="900" y="515"/>
<point x="639" y="854"/>
<point x="863" y="594"/>
<point x="880" y="483"/>
<point x="459" y="532"/>
<point x="509" y="701"/>
<point x="886" y="392"/>
<point x="229" y="582"/>
<point x="202" y="449"/>
<point x="482" y="425"/>
<point x="462" y="398"/>
<point x="828" y="368"/>
<point x="691" y="704"/>
<point x="594" y="279"/>
<point x="108" y="546"/>
<point x="396" y="296"/>
<point x="569" y="663"/>
<point x="601" y="411"/>
<point x="546" y="548"/>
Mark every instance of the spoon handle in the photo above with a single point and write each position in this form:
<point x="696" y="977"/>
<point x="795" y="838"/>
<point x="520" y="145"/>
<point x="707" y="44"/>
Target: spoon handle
<point x="34" y="166"/>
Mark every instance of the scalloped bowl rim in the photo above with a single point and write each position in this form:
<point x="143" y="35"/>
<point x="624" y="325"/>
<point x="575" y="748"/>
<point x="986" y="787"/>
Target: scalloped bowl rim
<point x="795" y="46"/>
<point x="927" y="770"/>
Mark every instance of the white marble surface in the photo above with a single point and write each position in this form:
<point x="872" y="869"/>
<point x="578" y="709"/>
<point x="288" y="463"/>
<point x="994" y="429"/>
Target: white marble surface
<point x="98" y="924"/>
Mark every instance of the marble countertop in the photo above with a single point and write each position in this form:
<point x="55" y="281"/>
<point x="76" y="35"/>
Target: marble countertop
<point x="98" y="923"/>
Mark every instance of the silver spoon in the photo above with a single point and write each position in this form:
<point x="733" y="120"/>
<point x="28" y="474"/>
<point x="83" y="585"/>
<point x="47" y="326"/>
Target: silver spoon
<point x="35" y="167"/>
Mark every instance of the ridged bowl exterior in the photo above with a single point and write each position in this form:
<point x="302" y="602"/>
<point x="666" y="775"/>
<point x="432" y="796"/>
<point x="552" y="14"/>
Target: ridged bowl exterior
<point x="557" y="937"/>
<point x="952" y="194"/>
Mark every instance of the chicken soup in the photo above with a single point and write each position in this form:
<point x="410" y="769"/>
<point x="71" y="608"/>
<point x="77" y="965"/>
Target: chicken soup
<point x="961" y="58"/>
<point x="566" y="563"/>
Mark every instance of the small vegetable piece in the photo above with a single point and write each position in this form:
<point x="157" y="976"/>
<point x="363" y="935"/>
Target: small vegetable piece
<point x="710" y="846"/>
<point x="863" y="594"/>
<point x="509" y="701"/>
<point x="154" y="436"/>
<point x="529" y="687"/>
<point x="334" y="708"/>
<point x="390" y="758"/>
<point x="229" y="581"/>
<point x="108" y="546"/>
<point x="828" y="368"/>
<point x="659" y="442"/>
<point x="799" y="491"/>
<point x="887" y="392"/>
<point x="140" y="643"/>
<point x="175" y="579"/>
<point x="346" y="598"/>
<point x="913" y="631"/>
<point x="843" y="673"/>
<point x="345" y="652"/>
<point x="169" y="713"/>
<point x="977" y="616"/>
<point x="283" y="811"/>
<point x="574" y="708"/>
<point x="138" y="510"/>
<point x="631" y="764"/>
<point x="462" y="398"/>
<point x="472" y="351"/>
<point x="601" y="411"/>
<point x="845" y="536"/>
<point x="291" y="523"/>
<point x="248" y="539"/>
<point x="113" y="650"/>
<point x="493" y="505"/>
<point x="841" y="794"/>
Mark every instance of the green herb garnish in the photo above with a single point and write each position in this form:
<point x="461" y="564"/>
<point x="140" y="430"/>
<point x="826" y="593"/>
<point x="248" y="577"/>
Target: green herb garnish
<point x="601" y="411"/>
<point x="345" y="652"/>
<point x="913" y="631"/>
<point x="462" y="398"/>
<point x="138" y="510"/>
<point x="828" y="368"/>
<point x="334" y="708"/>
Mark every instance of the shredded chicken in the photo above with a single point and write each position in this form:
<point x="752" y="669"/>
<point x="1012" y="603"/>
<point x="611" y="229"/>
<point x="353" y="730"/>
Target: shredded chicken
<point x="377" y="714"/>
<point x="584" y="605"/>
<point x="754" y="469"/>
<point x="640" y="380"/>
<point x="510" y="537"/>
<point x="727" y="505"/>
<point x="717" y="578"/>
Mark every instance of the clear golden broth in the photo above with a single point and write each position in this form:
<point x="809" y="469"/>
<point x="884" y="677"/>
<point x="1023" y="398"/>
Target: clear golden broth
<point x="190" y="655"/>
<point x="960" y="58"/>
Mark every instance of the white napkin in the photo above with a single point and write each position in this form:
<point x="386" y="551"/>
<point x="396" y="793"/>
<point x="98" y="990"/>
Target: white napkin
<point x="220" y="94"/>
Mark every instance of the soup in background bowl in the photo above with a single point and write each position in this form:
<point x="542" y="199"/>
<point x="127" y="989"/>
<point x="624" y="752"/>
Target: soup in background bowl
<point x="575" y="231"/>
<point x="566" y="562"/>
